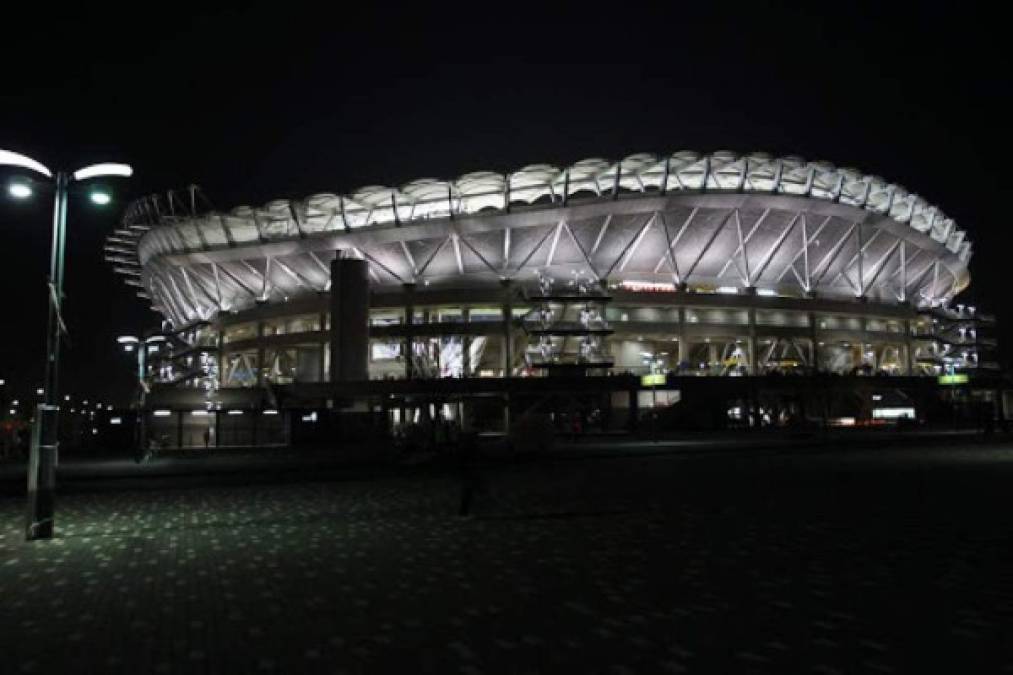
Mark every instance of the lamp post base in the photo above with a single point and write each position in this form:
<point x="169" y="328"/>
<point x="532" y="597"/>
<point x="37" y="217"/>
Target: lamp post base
<point x="42" y="474"/>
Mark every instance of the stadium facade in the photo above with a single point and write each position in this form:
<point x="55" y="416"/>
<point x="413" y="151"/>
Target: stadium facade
<point x="436" y="296"/>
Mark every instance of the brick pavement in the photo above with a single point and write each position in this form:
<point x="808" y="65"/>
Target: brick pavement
<point x="802" y="564"/>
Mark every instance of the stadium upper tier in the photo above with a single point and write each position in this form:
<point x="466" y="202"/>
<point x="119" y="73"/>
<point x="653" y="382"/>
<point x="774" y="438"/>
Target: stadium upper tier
<point x="696" y="221"/>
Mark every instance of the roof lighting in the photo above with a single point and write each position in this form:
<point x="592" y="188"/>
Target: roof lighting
<point x="162" y="413"/>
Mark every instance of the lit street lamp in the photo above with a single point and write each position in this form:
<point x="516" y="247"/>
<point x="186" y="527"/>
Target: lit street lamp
<point x="132" y="343"/>
<point x="43" y="457"/>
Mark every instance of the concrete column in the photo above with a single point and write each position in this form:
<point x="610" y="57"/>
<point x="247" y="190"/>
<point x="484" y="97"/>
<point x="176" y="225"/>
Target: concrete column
<point x="909" y="356"/>
<point x="260" y="353"/>
<point x="349" y="320"/>
<point x="409" y="321"/>
<point x="683" y="338"/>
<point x="466" y="344"/>
<point x="507" y="326"/>
<point x="323" y="373"/>
<point x="751" y="342"/>
<point x="634" y="410"/>
<point x="814" y="353"/>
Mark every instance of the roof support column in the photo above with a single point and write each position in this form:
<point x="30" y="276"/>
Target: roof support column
<point x="261" y="366"/>
<point x="466" y="344"/>
<point x="349" y="319"/>
<point x="508" y="356"/>
<point x="751" y="343"/>
<point x="814" y="353"/>
<point x="683" y="340"/>
<point x="409" y="322"/>
<point x="507" y="326"/>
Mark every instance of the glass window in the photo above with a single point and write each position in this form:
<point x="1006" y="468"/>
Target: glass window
<point x="240" y="369"/>
<point x="274" y="327"/>
<point x="781" y="318"/>
<point x="387" y="317"/>
<point x="449" y="316"/>
<point x="301" y="363"/>
<point x="834" y="322"/>
<point x="480" y="314"/>
<point x="304" y="323"/>
<point x="380" y="350"/>
<point x="723" y="316"/>
<point x="238" y="332"/>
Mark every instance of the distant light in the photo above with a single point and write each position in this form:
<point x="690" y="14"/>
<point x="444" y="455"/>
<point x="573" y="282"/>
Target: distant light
<point x="109" y="408"/>
<point x="14" y="402"/>
<point x="19" y="190"/>
<point x="877" y="397"/>
<point x="727" y="290"/>
<point x="235" y="412"/>
<point x="766" y="292"/>
<point x="162" y="413"/>
<point x="16" y="159"/>
<point x="893" y="413"/>
<point x="12" y="411"/>
<point x="3" y="382"/>
<point x="40" y="391"/>
<point x="115" y="420"/>
<point x="100" y="198"/>
<point x="104" y="169"/>
<point x="270" y="412"/>
<point x="312" y="417"/>
<point x="199" y="413"/>
<point x="66" y="397"/>
<point x="126" y="339"/>
<point x="94" y="431"/>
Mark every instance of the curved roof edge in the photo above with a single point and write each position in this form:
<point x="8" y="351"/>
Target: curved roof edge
<point x="683" y="171"/>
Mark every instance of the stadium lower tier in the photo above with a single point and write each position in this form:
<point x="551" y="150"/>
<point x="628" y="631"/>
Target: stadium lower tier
<point x="512" y="331"/>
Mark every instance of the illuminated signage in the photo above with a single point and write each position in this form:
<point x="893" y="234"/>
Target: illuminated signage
<point x="956" y="378"/>
<point x="652" y="380"/>
<point x="647" y="286"/>
<point x="893" y="413"/>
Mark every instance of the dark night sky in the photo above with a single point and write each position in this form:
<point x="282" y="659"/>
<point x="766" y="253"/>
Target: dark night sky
<point x="254" y="104"/>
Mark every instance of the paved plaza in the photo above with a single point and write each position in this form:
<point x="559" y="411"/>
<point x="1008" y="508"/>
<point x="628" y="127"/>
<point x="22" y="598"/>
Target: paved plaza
<point x="871" y="560"/>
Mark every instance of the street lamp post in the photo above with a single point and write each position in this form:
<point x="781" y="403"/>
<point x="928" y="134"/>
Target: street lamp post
<point x="132" y="343"/>
<point x="44" y="448"/>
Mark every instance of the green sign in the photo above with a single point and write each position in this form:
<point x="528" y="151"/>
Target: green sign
<point x="652" y="380"/>
<point x="956" y="378"/>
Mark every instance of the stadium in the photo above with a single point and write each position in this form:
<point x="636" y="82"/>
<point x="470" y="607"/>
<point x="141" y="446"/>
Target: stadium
<point x="593" y="291"/>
